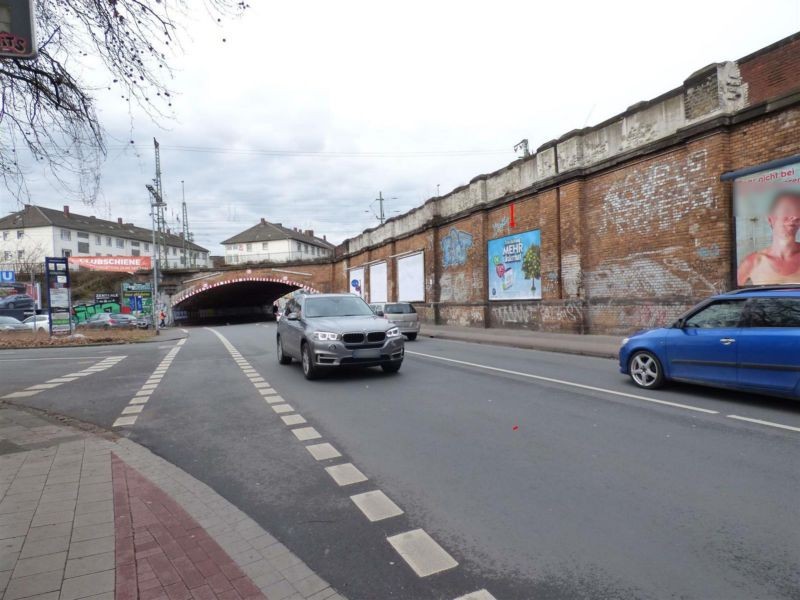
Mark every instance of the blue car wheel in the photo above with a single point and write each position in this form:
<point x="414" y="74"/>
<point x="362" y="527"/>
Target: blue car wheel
<point x="645" y="370"/>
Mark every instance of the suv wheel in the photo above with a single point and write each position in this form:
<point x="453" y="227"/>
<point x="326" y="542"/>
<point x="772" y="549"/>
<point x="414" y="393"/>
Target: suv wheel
<point x="645" y="370"/>
<point x="283" y="358"/>
<point x="411" y="336"/>
<point x="10" y="305"/>
<point x="309" y="369"/>
<point x="391" y="367"/>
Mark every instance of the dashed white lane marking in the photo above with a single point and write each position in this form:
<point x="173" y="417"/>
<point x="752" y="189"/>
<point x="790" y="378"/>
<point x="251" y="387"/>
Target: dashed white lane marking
<point x="422" y="553"/>
<point x="293" y="420"/>
<point x="345" y="474"/>
<point x="323" y="451"/>
<point x="185" y="330"/>
<point x="98" y="367"/>
<point x="479" y="595"/>
<point x="136" y="405"/>
<point x="273" y="399"/>
<point x="181" y="342"/>
<point x="566" y="383"/>
<point x="376" y="505"/>
<point x="306" y="433"/>
<point x="767" y="423"/>
<point x="282" y="408"/>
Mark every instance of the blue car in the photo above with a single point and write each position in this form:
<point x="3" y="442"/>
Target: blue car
<point x="747" y="339"/>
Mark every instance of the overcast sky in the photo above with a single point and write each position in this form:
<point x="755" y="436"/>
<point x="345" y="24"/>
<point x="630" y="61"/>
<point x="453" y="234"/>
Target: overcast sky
<point x="440" y="91"/>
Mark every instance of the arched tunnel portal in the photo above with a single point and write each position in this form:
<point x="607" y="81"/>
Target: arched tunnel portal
<point x="239" y="300"/>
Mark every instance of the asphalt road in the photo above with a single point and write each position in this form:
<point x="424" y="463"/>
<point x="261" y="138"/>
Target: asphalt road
<point x="544" y="475"/>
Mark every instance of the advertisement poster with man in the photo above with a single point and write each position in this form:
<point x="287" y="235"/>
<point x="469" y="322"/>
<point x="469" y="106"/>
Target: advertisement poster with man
<point x="515" y="267"/>
<point x="767" y="211"/>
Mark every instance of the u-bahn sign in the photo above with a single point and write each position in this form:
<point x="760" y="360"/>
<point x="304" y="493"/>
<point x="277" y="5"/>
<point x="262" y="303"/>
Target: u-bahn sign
<point x="17" y="38"/>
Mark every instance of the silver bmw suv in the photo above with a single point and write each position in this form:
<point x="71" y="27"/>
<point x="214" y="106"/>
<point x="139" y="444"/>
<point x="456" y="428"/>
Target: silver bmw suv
<point x="330" y="330"/>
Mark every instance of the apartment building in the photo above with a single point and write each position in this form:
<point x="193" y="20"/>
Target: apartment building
<point x="272" y="242"/>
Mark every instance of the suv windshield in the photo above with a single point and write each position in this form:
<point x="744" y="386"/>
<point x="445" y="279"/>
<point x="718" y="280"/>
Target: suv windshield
<point x="399" y="309"/>
<point x="336" y="306"/>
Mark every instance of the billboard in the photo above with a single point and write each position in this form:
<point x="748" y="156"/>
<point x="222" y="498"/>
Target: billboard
<point x="515" y="266"/>
<point x="411" y="278"/>
<point x="138" y="298"/>
<point x="59" y="300"/>
<point x="766" y="208"/>
<point x="356" y="279"/>
<point x="17" y="39"/>
<point x="123" y="264"/>
<point x="378" y="291"/>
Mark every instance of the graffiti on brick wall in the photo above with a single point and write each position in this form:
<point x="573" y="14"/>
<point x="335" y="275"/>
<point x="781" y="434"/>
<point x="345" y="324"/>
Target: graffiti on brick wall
<point x="708" y="252"/>
<point x="528" y="313"/>
<point x="500" y="227"/>
<point x="453" y="287"/>
<point x="454" y="248"/>
<point x="463" y="317"/>
<point x="84" y="311"/>
<point x="648" y="275"/>
<point x="655" y="198"/>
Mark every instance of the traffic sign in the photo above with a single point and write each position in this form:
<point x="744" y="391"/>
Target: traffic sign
<point x="17" y="37"/>
<point x="8" y="276"/>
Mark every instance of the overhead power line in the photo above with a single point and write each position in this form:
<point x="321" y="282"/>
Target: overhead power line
<point x="320" y="154"/>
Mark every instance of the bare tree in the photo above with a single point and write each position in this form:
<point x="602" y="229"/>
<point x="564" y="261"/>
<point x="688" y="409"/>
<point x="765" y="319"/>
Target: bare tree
<point x="47" y="109"/>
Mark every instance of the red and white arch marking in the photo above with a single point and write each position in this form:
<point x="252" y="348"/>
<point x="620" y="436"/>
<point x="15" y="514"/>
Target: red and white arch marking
<point x="204" y="287"/>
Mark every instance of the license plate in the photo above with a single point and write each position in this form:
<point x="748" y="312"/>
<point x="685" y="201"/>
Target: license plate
<point x="367" y="353"/>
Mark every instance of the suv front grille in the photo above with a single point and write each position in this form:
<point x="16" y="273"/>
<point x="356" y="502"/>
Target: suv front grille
<point x="353" y="338"/>
<point x="376" y="336"/>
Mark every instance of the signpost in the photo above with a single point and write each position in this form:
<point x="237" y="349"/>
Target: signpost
<point x="17" y="35"/>
<point x="8" y="277"/>
<point x="59" y="301"/>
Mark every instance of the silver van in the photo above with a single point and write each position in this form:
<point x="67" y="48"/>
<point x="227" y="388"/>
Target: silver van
<point x="401" y="314"/>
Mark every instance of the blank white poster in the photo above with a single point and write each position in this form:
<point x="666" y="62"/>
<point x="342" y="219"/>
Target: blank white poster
<point x="411" y="278"/>
<point x="377" y="283"/>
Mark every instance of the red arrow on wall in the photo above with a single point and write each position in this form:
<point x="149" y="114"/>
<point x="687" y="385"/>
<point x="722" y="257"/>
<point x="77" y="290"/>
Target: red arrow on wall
<point x="513" y="223"/>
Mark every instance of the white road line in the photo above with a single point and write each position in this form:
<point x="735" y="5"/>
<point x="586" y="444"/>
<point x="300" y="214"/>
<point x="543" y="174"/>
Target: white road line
<point x="52" y="358"/>
<point x="267" y="392"/>
<point x="376" y="505"/>
<point x="261" y="385"/>
<point x="293" y="420"/>
<point x="273" y="399"/>
<point x="567" y="383"/>
<point x="479" y="595"/>
<point x="22" y="394"/>
<point x="125" y="421"/>
<point x="136" y="405"/>
<point x="104" y="364"/>
<point x="323" y="451"/>
<point x="421" y="552"/>
<point x="282" y="408"/>
<point x="132" y="409"/>
<point x="767" y="423"/>
<point x="139" y="400"/>
<point x="43" y="386"/>
<point x="306" y="433"/>
<point x="345" y="474"/>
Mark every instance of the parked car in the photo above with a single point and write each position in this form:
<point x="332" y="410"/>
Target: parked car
<point x="330" y="330"/>
<point x="747" y="339"/>
<point x="11" y="324"/>
<point x="17" y="301"/>
<point x="38" y="323"/>
<point x="110" y="321"/>
<point x="401" y="314"/>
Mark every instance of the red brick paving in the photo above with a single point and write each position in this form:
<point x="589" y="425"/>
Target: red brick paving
<point x="162" y="553"/>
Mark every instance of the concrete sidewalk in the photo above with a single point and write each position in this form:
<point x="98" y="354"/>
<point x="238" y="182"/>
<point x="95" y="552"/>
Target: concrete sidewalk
<point x="84" y="514"/>
<point x="605" y="346"/>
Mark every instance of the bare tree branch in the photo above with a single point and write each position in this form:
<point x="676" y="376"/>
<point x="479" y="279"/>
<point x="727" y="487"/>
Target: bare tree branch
<point x="49" y="113"/>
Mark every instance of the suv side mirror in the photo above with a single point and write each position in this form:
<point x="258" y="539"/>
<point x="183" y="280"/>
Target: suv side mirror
<point x="379" y="313"/>
<point x="293" y="316"/>
<point x="678" y="324"/>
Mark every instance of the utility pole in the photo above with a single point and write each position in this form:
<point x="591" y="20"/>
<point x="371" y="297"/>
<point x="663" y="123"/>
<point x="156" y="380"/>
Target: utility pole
<point x="382" y="216"/>
<point x="155" y="200"/>
<point x="160" y="205"/>
<point x="185" y="223"/>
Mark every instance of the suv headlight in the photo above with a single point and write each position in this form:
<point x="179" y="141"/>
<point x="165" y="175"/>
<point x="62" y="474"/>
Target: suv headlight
<point x="325" y="336"/>
<point x="393" y="332"/>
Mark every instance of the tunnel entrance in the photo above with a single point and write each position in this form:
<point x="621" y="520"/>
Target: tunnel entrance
<point x="244" y="300"/>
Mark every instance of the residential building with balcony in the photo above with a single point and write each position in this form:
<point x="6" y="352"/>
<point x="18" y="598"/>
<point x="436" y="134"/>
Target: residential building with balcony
<point x="29" y="235"/>
<point x="272" y="242"/>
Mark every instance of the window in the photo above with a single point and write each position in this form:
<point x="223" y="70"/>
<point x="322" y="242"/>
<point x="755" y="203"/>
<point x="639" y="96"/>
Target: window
<point x="20" y="254"/>
<point x="772" y="312"/>
<point x="265" y="246"/>
<point x="723" y="314"/>
<point x="174" y="251"/>
<point x="108" y="240"/>
<point x="5" y="235"/>
<point x="21" y="234"/>
<point x="98" y="239"/>
<point x="298" y="246"/>
<point x="134" y="244"/>
<point x="66" y="253"/>
<point x="66" y="234"/>
<point x="98" y="254"/>
<point x="83" y="236"/>
<point x="135" y="252"/>
<point x="241" y="247"/>
<point x="305" y="247"/>
<point x="146" y="247"/>
<point x="120" y="243"/>
<point x="83" y="247"/>
<point x="8" y="256"/>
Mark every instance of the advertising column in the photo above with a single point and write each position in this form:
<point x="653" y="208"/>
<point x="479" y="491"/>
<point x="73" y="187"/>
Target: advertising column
<point x="59" y="301"/>
<point x="139" y="298"/>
